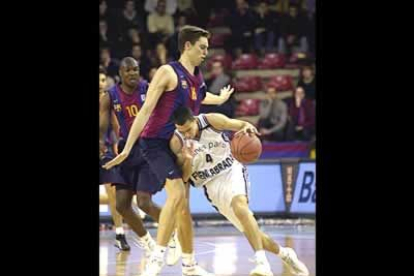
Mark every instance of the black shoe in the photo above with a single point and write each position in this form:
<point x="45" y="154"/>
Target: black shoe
<point x="121" y="243"/>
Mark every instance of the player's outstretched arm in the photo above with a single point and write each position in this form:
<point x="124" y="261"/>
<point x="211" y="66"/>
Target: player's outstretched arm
<point x="222" y="122"/>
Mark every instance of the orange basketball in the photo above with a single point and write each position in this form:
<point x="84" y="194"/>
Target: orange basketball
<point x="246" y="148"/>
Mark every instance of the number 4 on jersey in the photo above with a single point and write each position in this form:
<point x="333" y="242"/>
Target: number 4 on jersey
<point x="208" y="158"/>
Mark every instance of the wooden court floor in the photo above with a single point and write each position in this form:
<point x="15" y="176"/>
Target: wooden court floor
<point x="221" y="250"/>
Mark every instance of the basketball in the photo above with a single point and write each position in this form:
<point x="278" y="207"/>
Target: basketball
<point x="246" y="148"/>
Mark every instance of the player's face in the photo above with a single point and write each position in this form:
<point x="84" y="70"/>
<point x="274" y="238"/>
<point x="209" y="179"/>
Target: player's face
<point x="198" y="52"/>
<point x="189" y="129"/>
<point x="102" y="82"/>
<point x="130" y="75"/>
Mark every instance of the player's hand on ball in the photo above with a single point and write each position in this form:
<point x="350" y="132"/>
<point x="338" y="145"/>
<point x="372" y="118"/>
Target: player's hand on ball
<point x="248" y="129"/>
<point x="116" y="161"/>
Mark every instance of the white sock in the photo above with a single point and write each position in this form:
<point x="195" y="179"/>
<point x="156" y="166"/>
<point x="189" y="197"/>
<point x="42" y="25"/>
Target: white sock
<point x="159" y="251"/>
<point x="188" y="259"/>
<point x="261" y="256"/>
<point x="119" y="231"/>
<point x="282" y="251"/>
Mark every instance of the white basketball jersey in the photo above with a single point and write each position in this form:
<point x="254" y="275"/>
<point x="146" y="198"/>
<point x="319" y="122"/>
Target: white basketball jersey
<point x="212" y="157"/>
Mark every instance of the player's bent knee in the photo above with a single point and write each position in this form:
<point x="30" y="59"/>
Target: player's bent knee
<point x="144" y="203"/>
<point x="176" y="192"/>
<point x="122" y="206"/>
<point x="241" y="209"/>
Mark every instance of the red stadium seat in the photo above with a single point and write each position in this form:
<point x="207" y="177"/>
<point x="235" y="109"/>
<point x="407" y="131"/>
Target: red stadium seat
<point x="248" y="107"/>
<point x="246" y="61"/>
<point x="223" y="58"/>
<point x="296" y="60"/>
<point x="218" y="40"/>
<point x="248" y="84"/>
<point x="272" y="61"/>
<point x="281" y="82"/>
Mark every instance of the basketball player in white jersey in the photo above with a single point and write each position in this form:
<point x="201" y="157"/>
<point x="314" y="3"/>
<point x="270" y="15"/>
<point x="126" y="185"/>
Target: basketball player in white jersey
<point x="204" y="153"/>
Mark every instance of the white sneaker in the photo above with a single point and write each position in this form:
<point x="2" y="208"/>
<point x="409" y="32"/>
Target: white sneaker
<point x="296" y="267"/>
<point x="174" y="250"/>
<point x="194" y="270"/>
<point x="148" y="247"/>
<point x="261" y="269"/>
<point x="153" y="266"/>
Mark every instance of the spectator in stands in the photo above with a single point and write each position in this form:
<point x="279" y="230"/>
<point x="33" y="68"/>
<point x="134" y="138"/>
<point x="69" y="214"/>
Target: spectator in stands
<point x="160" y="24"/>
<point x="130" y="19"/>
<point x="133" y="36"/>
<point x="265" y="29"/>
<point x="215" y="83"/>
<point x="110" y="65"/>
<point x="143" y="61"/>
<point x="110" y="82"/>
<point x="124" y="47"/>
<point x="186" y="7"/>
<point x="281" y="6"/>
<point x="105" y="39"/>
<point x="151" y="6"/>
<point x="301" y="124"/>
<point x="241" y="23"/>
<point x="293" y="37"/>
<point x="307" y="81"/>
<point x="103" y="11"/>
<point x="309" y="22"/>
<point x="273" y="116"/>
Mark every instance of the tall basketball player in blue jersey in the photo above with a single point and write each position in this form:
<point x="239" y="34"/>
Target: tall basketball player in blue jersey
<point x="176" y="84"/>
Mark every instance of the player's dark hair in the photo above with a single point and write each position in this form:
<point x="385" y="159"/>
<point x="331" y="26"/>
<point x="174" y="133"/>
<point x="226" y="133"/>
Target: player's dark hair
<point x="182" y="115"/>
<point x="190" y="33"/>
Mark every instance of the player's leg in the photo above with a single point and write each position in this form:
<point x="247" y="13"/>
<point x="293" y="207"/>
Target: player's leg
<point x="123" y="206"/>
<point x="121" y="242"/>
<point x="229" y="195"/>
<point x="145" y="203"/>
<point x="103" y="199"/>
<point x="116" y="217"/>
<point x="251" y="228"/>
<point x="243" y="219"/>
<point x="186" y="236"/>
<point x="175" y="197"/>
<point x="162" y="163"/>
<point x="288" y="255"/>
<point x="173" y="205"/>
<point x="145" y="188"/>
